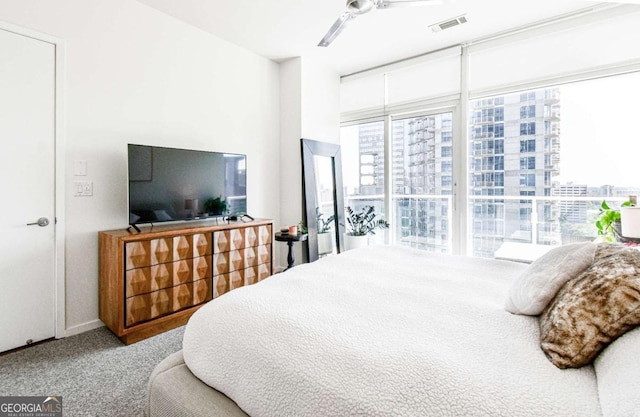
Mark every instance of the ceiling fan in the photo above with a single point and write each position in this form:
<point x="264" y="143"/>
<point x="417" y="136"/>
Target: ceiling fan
<point x="358" y="7"/>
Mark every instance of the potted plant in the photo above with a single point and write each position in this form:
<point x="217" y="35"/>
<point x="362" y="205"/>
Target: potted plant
<point x="215" y="206"/>
<point x="608" y="222"/>
<point x="326" y="236"/>
<point x="360" y="225"/>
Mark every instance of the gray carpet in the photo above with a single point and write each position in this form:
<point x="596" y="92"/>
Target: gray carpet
<point x="95" y="374"/>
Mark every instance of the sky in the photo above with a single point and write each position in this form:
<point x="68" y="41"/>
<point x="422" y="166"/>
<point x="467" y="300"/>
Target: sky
<point x="600" y="139"/>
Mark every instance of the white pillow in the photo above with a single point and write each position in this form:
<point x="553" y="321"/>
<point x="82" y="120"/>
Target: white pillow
<point x="618" y="374"/>
<point x="539" y="283"/>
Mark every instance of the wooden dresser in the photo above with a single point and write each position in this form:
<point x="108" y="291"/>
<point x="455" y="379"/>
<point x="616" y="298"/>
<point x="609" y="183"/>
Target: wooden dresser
<point x="154" y="281"/>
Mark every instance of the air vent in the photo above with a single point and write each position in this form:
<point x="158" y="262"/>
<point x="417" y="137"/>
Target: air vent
<point x="449" y="23"/>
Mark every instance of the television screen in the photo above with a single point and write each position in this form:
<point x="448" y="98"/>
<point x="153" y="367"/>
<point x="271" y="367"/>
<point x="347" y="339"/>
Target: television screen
<point x="167" y="184"/>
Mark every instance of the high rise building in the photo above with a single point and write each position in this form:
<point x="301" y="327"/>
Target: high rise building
<point x="514" y="148"/>
<point x="514" y="151"/>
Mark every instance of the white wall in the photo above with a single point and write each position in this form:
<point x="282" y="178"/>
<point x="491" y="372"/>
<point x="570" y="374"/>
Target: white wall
<point x="290" y="165"/>
<point x="135" y="75"/>
<point x="310" y="100"/>
<point x="320" y="102"/>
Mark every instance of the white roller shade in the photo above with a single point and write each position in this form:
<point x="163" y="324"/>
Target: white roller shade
<point x="436" y="77"/>
<point x="365" y="92"/>
<point x="566" y="49"/>
<point x="421" y="78"/>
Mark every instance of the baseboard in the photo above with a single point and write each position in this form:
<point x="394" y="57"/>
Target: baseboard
<point x="84" y="327"/>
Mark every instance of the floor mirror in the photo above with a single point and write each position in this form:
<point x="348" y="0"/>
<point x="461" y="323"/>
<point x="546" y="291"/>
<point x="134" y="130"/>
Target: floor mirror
<point x="323" y="196"/>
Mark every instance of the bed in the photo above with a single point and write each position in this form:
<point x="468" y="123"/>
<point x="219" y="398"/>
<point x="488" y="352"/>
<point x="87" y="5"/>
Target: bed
<point x="386" y="331"/>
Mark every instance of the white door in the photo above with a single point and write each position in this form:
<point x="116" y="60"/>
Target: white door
<point x="27" y="190"/>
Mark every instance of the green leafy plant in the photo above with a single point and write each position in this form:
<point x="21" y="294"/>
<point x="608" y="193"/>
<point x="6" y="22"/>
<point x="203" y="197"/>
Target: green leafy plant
<point x="302" y="229"/>
<point x="215" y="205"/>
<point x="364" y="222"/>
<point x="608" y="222"/>
<point x="324" y="226"/>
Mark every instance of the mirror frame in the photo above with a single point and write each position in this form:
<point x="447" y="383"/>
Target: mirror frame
<point x="311" y="148"/>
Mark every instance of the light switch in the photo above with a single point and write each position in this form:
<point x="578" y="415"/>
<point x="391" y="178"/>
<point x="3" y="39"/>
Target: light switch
<point x="80" y="168"/>
<point x="83" y="188"/>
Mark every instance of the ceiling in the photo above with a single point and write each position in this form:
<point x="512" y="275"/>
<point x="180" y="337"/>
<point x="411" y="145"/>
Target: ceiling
<point x="282" y="29"/>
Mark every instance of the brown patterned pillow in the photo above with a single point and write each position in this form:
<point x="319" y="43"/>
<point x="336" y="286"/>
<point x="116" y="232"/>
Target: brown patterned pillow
<point x="593" y="309"/>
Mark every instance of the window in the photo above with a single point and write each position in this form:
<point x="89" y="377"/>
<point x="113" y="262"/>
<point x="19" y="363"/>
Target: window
<point x="367" y="180"/>
<point x="528" y="128"/>
<point x="362" y="149"/>
<point x="366" y="169"/>
<point x="527" y="112"/>
<point x="528" y="162"/>
<point x="528" y="96"/>
<point x="547" y="161"/>
<point x="577" y="126"/>
<point x="498" y="130"/>
<point x="367" y="159"/>
<point x="527" y="145"/>
<point x="525" y="214"/>
<point x="421" y="181"/>
<point x="528" y="180"/>
<point x="446" y="120"/>
<point x="529" y="193"/>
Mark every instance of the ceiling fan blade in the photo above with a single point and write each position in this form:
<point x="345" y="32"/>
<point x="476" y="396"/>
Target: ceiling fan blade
<point x="388" y="4"/>
<point x="336" y="28"/>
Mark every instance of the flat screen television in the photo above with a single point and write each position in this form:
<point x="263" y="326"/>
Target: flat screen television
<point x="167" y="184"/>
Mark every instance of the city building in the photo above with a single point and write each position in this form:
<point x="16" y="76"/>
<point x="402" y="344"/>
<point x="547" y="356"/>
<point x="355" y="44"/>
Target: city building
<point x="514" y="148"/>
<point x="572" y="210"/>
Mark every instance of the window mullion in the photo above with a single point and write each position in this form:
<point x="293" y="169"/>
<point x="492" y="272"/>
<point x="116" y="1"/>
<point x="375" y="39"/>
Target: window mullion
<point x="388" y="188"/>
<point x="460" y="162"/>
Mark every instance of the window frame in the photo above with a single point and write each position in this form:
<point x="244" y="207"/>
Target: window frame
<point x="461" y="225"/>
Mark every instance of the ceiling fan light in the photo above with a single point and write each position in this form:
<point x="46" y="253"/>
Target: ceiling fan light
<point x="360" y="6"/>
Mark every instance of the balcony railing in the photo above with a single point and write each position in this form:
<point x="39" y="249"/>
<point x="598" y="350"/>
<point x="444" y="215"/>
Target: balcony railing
<point x="538" y="220"/>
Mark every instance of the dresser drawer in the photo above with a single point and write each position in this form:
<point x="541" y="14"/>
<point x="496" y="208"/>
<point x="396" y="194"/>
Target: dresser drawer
<point x="255" y="274"/>
<point x="202" y="291"/>
<point x="151" y="278"/>
<point x="157" y="251"/>
<point x="148" y="252"/>
<point x="224" y="283"/>
<point x="236" y="260"/>
<point x="158" y="303"/>
<point x="148" y="306"/>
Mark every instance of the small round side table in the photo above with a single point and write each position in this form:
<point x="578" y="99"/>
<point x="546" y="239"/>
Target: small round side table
<point x="286" y="237"/>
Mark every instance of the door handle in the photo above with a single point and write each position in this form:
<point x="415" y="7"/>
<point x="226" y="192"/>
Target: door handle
<point x="42" y="222"/>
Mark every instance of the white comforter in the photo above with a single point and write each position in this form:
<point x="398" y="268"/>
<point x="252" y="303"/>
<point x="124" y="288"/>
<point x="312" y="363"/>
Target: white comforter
<point x="382" y="331"/>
